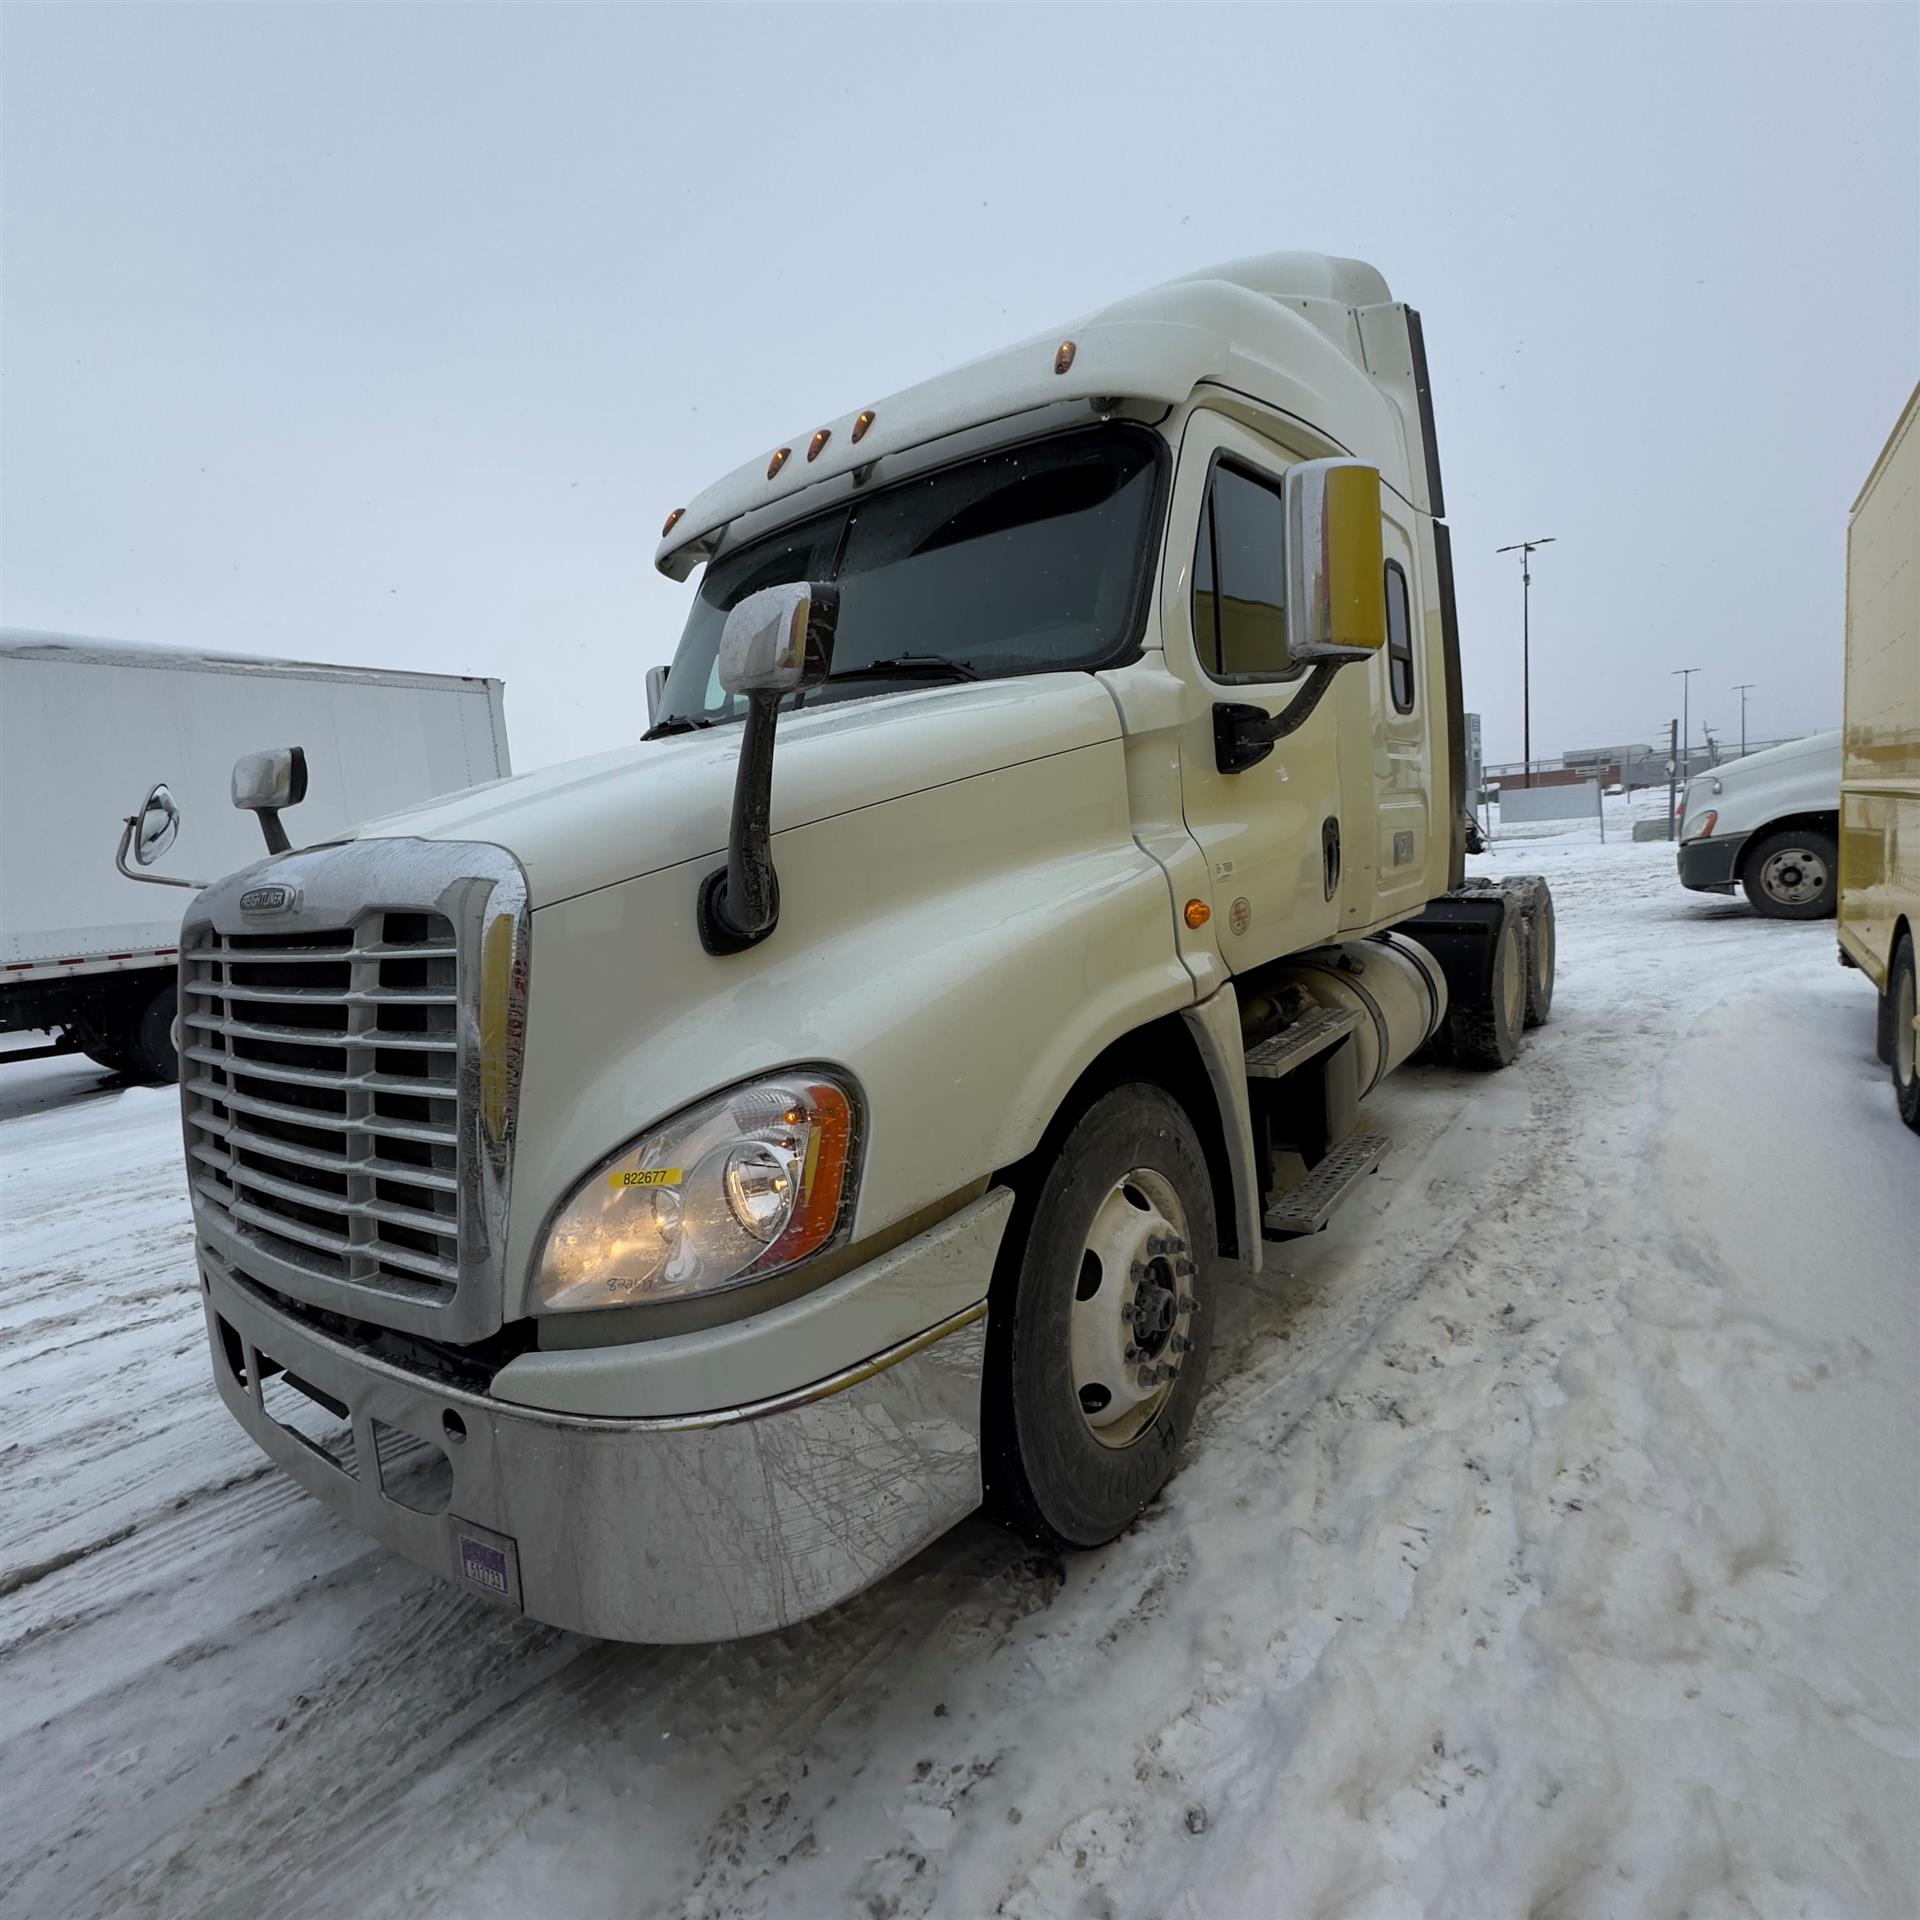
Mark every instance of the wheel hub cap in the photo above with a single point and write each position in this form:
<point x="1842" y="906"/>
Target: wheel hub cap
<point x="1133" y="1307"/>
<point x="1794" y="875"/>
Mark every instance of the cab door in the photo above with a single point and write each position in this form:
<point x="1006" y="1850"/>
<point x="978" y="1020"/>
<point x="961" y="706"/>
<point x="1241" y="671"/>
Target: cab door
<point x="1402" y="752"/>
<point x="1272" y="834"/>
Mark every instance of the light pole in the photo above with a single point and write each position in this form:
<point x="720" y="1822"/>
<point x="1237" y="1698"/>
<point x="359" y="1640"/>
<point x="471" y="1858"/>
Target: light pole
<point x="1686" y="731"/>
<point x="1743" y="689"/>
<point x="1524" y="549"/>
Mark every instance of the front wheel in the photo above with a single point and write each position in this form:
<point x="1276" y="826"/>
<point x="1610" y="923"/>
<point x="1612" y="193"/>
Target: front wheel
<point x="1792" y="874"/>
<point x="1102" y="1320"/>
<point x="1903" y="1003"/>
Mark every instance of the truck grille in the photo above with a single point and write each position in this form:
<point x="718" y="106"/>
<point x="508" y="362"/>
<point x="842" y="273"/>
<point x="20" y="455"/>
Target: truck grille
<point x="323" y="1118"/>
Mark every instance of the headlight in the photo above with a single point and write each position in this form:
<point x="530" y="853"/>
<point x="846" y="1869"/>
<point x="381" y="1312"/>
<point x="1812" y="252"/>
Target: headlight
<point x="744" y="1185"/>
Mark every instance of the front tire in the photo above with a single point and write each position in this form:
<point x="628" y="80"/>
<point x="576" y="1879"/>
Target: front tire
<point x="1792" y="874"/>
<point x="1101" y="1324"/>
<point x="1903" y="1001"/>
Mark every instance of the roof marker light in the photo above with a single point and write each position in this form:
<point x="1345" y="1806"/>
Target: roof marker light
<point x="1063" y="356"/>
<point x="673" y="520"/>
<point x="818" y="441"/>
<point x="861" y="425"/>
<point x="778" y="461"/>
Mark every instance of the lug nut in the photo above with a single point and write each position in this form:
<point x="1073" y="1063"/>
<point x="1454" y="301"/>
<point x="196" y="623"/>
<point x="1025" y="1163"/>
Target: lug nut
<point x="1132" y="1354"/>
<point x="1186" y="1303"/>
<point x="1185" y="1269"/>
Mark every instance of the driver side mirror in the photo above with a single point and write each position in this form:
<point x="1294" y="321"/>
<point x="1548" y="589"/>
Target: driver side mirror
<point x="263" y="783"/>
<point x="1336" y="599"/>
<point x="1337" y="604"/>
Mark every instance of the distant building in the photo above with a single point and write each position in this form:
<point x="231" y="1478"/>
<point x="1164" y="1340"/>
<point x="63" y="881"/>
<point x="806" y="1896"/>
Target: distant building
<point x="1592" y="761"/>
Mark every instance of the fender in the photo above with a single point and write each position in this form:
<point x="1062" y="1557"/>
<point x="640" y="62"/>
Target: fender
<point x="1214" y="1027"/>
<point x="963" y="953"/>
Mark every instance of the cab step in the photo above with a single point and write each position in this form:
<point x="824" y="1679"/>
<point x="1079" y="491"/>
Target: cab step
<point x="1309" y="1206"/>
<point x="1314" y="1032"/>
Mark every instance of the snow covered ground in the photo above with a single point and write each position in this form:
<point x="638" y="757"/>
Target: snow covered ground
<point x="1551" y="1547"/>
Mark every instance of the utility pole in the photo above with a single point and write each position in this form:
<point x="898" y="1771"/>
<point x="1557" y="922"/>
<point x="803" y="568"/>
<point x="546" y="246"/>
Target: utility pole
<point x="1686" y="725"/>
<point x="1743" y="689"/>
<point x="1524" y="548"/>
<point x="1673" y="747"/>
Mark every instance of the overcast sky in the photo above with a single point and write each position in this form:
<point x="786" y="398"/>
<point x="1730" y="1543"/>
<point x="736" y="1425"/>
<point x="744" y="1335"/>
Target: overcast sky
<point x="389" y="334"/>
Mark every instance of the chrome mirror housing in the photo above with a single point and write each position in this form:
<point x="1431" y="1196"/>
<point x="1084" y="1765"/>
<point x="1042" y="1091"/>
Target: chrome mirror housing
<point x="779" y="639"/>
<point x="263" y="783"/>
<point x="156" y="826"/>
<point x="266" y="782"/>
<point x="1336" y="599"/>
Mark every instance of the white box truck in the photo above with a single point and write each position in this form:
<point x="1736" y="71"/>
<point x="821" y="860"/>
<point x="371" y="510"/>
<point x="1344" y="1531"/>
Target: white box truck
<point x="87" y="727"/>
<point x="662" y="1193"/>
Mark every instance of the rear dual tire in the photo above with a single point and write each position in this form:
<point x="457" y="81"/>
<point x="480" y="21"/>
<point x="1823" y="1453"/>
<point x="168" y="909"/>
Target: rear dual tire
<point x="1486" y="1036"/>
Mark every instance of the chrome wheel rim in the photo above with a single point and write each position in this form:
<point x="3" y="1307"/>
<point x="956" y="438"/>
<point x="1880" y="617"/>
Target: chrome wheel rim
<point x="1793" y="876"/>
<point x="1133" y="1307"/>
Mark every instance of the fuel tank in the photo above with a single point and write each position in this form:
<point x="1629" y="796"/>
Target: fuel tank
<point x="1394" y="984"/>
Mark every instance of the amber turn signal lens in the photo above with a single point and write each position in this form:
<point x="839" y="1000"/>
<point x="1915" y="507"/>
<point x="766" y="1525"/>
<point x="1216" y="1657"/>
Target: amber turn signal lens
<point x="818" y="441"/>
<point x="1063" y="356"/>
<point x="778" y="461"/>
<point x="1198" y="913"/>
<point x="673" y="520"/>
<point x="823" y="1177"/>
<point x="861" y="425"/>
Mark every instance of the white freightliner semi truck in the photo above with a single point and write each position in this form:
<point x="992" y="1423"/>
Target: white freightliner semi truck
<point x="690" y="1180"/>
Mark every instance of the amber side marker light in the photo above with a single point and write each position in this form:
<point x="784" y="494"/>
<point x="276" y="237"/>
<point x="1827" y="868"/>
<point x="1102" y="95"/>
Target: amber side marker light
<point x="861" y="425"/>
<point x="1063" y="356"/>
<point x="778" y="461"/>
<point x="673" y="520"/>
<point x="1198" y="913"/>
<point x="818" y="442"/>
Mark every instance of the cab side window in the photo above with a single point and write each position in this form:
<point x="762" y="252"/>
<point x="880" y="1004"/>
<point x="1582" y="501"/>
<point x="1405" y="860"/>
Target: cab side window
<point x="1399" y="640"/>
<point x="1239" y="579"/>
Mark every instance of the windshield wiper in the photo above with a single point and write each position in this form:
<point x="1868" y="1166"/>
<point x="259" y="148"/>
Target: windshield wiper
<point x="907" y="666"/>
<point x="661" y="728"/>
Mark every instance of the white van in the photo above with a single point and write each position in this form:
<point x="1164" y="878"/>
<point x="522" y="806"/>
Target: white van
<point x="1768" y="824"/>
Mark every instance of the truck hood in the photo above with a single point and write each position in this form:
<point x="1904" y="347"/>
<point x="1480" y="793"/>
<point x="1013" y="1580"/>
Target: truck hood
<point x="593" y="823"/>
<point x="1771" y="757"/>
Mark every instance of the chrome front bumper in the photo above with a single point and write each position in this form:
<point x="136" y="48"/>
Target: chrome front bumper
<point x="695" y="1528"/>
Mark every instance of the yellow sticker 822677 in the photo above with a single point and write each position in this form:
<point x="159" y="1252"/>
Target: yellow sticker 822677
<point x="645" y="1177"/>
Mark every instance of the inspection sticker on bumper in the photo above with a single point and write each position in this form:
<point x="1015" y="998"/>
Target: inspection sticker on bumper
<point x="487" y="1560"/>
<point x="645" y="1177"/>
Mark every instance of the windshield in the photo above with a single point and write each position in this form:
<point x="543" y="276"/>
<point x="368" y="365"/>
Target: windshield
<point x="1025" y="560"/>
